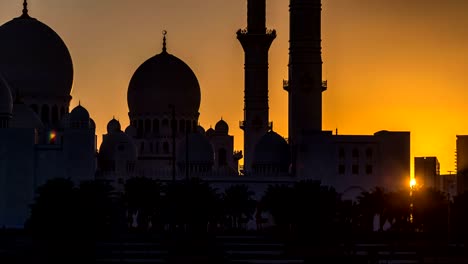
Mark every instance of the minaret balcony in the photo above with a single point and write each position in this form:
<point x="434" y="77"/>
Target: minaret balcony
<point x="243" y="124"/>
<point x="286" y="85"/>
<point x="324" y="85"/>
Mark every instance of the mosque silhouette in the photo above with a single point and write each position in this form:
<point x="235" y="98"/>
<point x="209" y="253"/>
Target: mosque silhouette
<point x="41" y="139"/>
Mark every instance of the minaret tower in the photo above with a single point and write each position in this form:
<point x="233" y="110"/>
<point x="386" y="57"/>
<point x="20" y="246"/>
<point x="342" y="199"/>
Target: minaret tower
<point x="305" y="85"/>
<point x="256" y="41"/>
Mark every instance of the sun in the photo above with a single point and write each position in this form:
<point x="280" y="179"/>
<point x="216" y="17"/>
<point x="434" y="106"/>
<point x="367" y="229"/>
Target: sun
<point x="412" y="183"/>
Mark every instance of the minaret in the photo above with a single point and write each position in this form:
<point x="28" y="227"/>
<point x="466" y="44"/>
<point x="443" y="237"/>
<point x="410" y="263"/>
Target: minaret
<point x="256" y="41"/>
<point x="305" y="85"/>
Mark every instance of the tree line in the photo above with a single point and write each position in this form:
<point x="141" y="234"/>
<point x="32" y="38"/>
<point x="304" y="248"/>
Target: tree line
<point x="305" y="209"/>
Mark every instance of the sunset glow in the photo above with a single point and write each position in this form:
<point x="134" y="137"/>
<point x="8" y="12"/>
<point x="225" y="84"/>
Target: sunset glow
<point x="390" y="64"/>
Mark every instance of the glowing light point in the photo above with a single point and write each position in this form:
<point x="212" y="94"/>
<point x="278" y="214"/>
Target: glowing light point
<point x="52" y="136"/>
<point x="412" y="183"/>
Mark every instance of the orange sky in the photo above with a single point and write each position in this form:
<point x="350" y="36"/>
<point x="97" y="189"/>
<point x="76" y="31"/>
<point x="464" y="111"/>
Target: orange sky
<point x="390" y="64"/>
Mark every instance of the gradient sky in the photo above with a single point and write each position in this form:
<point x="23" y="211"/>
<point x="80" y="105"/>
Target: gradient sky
<point x="390" y="64"/>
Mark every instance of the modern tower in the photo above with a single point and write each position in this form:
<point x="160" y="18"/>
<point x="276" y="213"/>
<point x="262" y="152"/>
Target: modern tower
<point x="256" y="40"/>
<point x="305" y="85"/>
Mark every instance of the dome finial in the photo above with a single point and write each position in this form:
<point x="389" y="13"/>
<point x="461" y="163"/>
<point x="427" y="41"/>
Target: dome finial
<point x="25" y="9"/>
<point x="164" y="32"/>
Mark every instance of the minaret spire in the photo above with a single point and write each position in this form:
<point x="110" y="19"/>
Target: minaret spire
<point x="164" y="49"/>
<point x="256" y="41"/>
<point x="25" y="10"/>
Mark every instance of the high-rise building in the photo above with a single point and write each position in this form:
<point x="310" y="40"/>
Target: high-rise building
<point x="427" y="172"/>
<point x="462" y="164"/>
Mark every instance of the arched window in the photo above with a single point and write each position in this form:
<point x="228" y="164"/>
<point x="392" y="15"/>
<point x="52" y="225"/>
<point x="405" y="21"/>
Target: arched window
<point x="156" y="147"/>
<point x="165" y="148"/>
<point x="45" y="114"/>
<point x="194" y="126"/>
<point x="142" y="147"/>
<point x="147" y="126"/>
<point x="222" y="157"/>
<point x="355" y="153"/>
<point x="187" y="126"/>
<point x="156" y="126"/>
<point x="369" y="153"/>
<point x="181" y="125"/>
<point x="62" y="112"/>
<point x="140" y="128"/>
<point x="55" y="113"/>
<point x="341" y="153"/>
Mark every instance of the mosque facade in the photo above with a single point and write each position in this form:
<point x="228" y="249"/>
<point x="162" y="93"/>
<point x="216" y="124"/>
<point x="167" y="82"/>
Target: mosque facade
<point x="41" y="139"/>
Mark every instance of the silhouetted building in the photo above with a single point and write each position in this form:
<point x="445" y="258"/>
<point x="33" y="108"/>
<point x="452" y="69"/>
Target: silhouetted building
<point x="449" y="184"/>
<point x="256" y="40"/>
<point x="39" y="138"/>
<point x="427" y="172"/>
<point x="42" y="140"/>
<point x="341" y="161"/>
<point x="462" y="164"/>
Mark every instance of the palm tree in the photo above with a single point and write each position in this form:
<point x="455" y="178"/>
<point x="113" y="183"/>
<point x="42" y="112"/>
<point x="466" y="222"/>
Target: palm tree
<point x="192" y="204"/>
<point x="278" y="200"/>
<point x="238" y="204"/>
<point x="371" y="204"/>
<point x="143" y="199"/>
<point x="430" y="211"/>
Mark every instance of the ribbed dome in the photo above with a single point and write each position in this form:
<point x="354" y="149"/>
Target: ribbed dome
<point x="117" y="146"/>
<point x="161" y="81"/>
<point x="199" y="148"/>
<point x="79" y="118"/>
<point x="113" y="126"/>
<point x="6" y="100"/>
<point x="25" y="117"/>
<point x="79" y="114"/>
<point x="222" y="127"/>
<point x="272" y="149"/>
<point x="34" y="59"/>
<point x="210" y="132"/>
<point x="201" y="130"/>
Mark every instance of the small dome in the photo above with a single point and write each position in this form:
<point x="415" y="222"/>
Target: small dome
<point x="272" y="150"/>
<point x="161" y="81"/>
<point x="222" y="127"/>
<point x="6" y="100"/>
<point x="113" y="126"/>
<point x="34" y="59"/>
<point x="117" y="146"/>
<point x="79" y="118"/>
<point x="210" y="132"/>
<point x="201" y="130"/>
<point x="131" y="131"/>
<point x="200" y="150"/>
<point x="25" y="117"/>
<point x="79" y="113"/>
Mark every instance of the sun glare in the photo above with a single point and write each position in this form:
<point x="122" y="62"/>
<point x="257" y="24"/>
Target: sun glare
<point x="412" y="182"/>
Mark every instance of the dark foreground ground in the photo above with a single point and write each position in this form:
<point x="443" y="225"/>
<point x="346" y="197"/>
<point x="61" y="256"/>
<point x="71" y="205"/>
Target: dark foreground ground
<point x="18" y="247"/>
